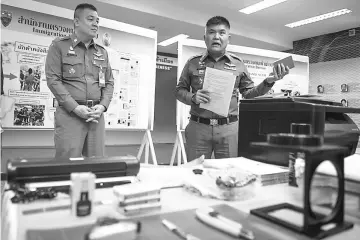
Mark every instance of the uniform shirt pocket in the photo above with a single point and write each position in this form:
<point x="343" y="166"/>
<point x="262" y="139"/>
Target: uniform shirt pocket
<point x="72" y="67"/>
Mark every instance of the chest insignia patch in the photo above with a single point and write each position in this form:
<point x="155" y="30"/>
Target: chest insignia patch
<point x="99" y="59"/>
<point x="230" y="65"/>
<point x="230" y="68"/>
<point x="98" y="54"/>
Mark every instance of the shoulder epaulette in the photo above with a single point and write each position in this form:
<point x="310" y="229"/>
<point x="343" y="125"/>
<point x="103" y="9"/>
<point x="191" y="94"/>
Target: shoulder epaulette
<point x="58" y="39"/>
<point x="98" y="45"/>
<point x="196" y="56"/>
<point x="235" y="56"/>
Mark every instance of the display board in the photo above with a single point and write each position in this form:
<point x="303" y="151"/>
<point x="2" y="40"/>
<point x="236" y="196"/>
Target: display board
<point x="259" y="64"/>
<point x="27" y="31"/>
<point x="165" y="102"/>
<point x="338" y="81"/>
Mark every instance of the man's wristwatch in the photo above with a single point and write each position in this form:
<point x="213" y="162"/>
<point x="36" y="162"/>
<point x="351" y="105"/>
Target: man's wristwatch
<point x="193" y="98"/>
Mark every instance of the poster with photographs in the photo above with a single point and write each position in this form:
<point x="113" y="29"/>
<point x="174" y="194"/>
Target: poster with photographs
<point x="29" y="115"/>
<point x="26" y="96"/>
<point x="27" y="102"/>
<point x="341" y="82"/>
<point x="123" y="110"/>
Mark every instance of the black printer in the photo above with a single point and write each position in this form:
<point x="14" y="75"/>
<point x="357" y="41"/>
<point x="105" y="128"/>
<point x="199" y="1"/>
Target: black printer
<point x="261" y="116"/>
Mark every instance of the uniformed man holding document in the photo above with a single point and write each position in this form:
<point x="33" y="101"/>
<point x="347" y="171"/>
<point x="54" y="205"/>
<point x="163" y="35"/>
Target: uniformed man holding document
<point x="79" y="75"/>
<point x="207" y="131"/>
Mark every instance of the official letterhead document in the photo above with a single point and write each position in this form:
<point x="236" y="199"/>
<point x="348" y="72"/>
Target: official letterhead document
<point x="220" y="85"/>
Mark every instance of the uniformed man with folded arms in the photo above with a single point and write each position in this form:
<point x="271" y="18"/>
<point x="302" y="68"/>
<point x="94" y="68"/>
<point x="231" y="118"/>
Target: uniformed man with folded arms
<point x="207" y="132"/>
<point x="79" y="75"/>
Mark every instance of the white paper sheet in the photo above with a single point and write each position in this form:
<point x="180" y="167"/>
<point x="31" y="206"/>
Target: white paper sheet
<point x="220" y="85"/>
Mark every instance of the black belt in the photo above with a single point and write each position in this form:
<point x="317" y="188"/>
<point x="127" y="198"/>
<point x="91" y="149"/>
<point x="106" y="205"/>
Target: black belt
<point x="88" y="103"/>
<point x="214" y="121"/>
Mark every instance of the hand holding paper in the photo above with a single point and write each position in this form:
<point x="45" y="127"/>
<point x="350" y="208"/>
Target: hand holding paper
<point x="219" y="85"/>
<point x="202" y="96"/>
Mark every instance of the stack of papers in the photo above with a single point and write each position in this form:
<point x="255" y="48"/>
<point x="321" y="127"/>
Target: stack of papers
<point x="165" y="176"/>
<point x="137" y="198"/>
<point x="267" y="174"/>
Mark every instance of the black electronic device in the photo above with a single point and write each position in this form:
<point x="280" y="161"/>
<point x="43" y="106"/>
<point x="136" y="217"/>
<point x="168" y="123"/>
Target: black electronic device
<point x="22" y="171"/>
<point x="262" y="116"/>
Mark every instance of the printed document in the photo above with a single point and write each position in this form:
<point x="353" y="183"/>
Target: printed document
<point x="220" y="85"/>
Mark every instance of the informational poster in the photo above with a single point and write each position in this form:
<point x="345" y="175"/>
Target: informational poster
<point x="294" y="84"/>
<point x="124" y="108"/>
<point x="27" y="101"/>
<point x="259" y="64"/>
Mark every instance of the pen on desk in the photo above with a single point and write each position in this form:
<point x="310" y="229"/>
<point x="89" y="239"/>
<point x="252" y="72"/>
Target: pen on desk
<point x="214" y="219"/>
<point x="172" y="227"/>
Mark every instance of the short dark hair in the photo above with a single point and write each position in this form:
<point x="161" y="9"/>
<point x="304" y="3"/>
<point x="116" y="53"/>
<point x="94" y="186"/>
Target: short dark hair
<point x="83" y="6"/>
<point x="217" y="20"/>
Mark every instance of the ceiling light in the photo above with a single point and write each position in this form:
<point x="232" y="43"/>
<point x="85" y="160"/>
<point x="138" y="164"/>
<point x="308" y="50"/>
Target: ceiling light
<point x="260" y="6"/>
<point x="173" y="40"/>
<point x="318" y="18"/>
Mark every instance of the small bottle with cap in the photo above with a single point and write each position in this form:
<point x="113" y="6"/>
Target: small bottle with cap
<point x="83" y="206"/>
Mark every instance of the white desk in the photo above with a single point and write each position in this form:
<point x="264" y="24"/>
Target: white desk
<point x="174" y="199"/>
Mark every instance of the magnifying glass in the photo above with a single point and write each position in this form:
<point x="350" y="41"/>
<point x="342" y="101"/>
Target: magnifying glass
<point x="316" y="153"/>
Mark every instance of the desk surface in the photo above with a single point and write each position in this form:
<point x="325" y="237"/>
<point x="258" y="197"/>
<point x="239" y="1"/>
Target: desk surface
<point x="173" y="199"/>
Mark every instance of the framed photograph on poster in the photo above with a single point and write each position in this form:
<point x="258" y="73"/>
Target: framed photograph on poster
<point x="344" y="87"/>
<point x="344" y="102"/>
<point x="320" y="89"/>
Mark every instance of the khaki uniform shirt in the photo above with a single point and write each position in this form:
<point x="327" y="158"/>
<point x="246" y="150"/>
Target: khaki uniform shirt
<point x="192" y="77"/>
<point x="72" y="72"/>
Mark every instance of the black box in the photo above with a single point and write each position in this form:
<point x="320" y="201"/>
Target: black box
<point x="259" y="117"/>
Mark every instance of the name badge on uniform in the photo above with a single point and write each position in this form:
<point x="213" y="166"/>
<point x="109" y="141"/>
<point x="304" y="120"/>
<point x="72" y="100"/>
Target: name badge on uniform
<point x="71" y="53"/>
<point x="201" y="71"/>
<point x="101" y="77"/>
